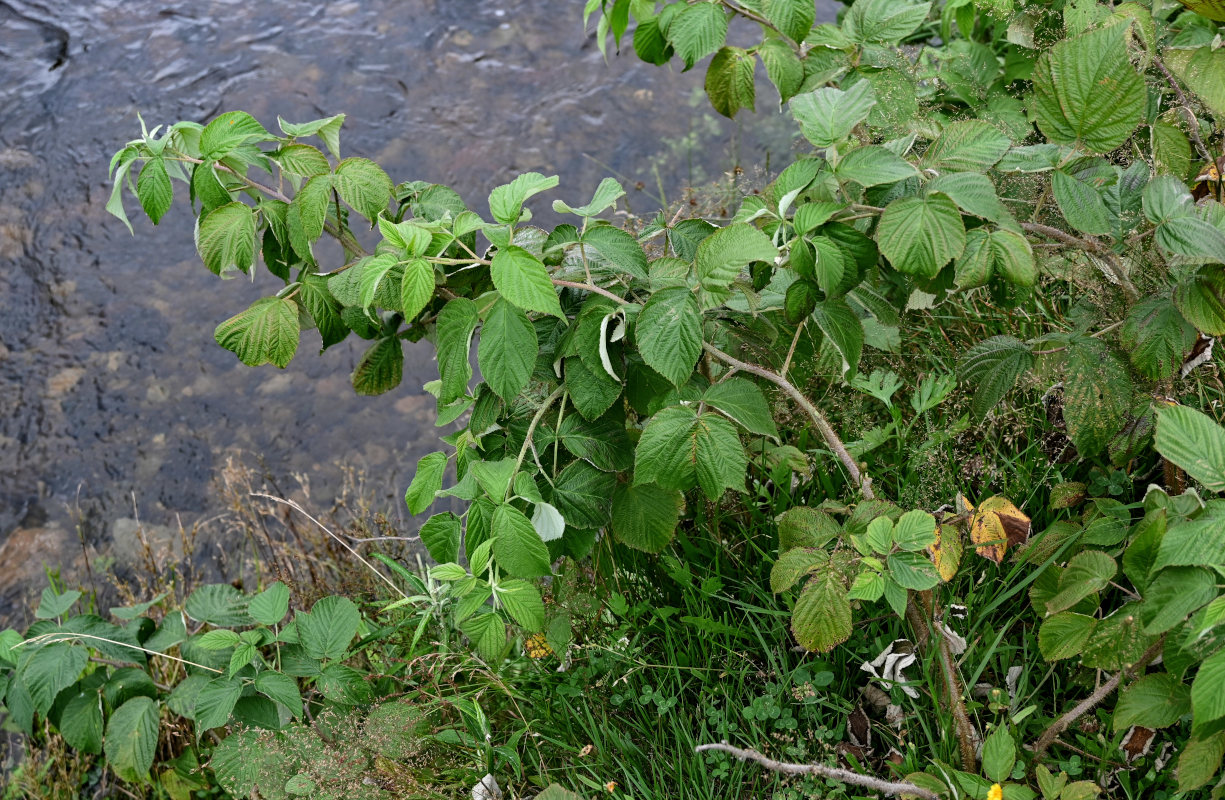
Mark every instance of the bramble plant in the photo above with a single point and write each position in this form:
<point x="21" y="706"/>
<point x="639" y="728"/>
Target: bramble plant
<point x="630" y="379"/>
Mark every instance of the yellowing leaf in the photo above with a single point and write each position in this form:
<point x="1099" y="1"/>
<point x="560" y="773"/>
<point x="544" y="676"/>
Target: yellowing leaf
<point x="946" y="551"/>
<point x="996" y="525"/>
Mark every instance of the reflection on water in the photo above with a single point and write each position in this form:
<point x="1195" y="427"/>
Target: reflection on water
<point x="110" y="384"/>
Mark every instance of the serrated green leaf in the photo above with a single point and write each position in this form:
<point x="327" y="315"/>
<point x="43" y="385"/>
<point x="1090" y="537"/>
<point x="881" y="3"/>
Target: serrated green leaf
<point x="323" y="308"/>
<point x="792" y="18"/>
<point x="697" y="31"/>
<point x="992" y="367"/>
<point x="506" y="201"/>
<point x="802" y="526"/>
<point x="507" y="349"/>
<point x="1154" y="701"/>
<point x="81" y="721"/>
<point x="844" y="331"/>
<point x="783" y="68"/>
<point x="131" y="739"/>
<point x="47" y="670"/>
<point x="154" y="190"/>
<point x="967" y="146"/>
<point x="225" y="238"/>
<point x="1201" y="300"/>
<point x="1157" y="337"/>
<point x="327" y="129"/>
<point x="52" y="604"/>
<point x="794" y="564"/>
<point x="270" y="606"/>
<point x="381" y="367"/>
<point x="1087" y="573"/>
<point x="973" y="193"/>
<point x="828" y="115"/>
<point x="913" y="571"/>
<point x="1087" y="93"/>
<point x="218" y="604"/>
<point x="645" y="517"/>
<point x="582" y="494"/>
<point x="619" y="248"/>
<point x="729" y="81"/>
<point x="441" y="534"/>
<point x="884" y="21"/>
<point x="919" y="235"/>
<point x="215" y="703"/>
<point x="1208" y="690"/>
<point x="302" y="160"/>
<point x="821" y="619"/>
<point x="517" y="547"/>
<point x="872" y="166"/>
<point x="522" y="601"/>
<point x="326" y="631"/>
<point x="524" y="280"/>
<point x="679" y="449"/>
<point x="1097" y="395"/>
<point x="605" y="197"/>
<point x="1064" y="635"/>
<point x="1082" y="204"/>
<point x="229" y="131"/>
<point x="456" y="325"/>
<point x="1194" y="442"/>
<point x="1201" y="68"/>
<point x="669" y="333"/>
<point x="604" y="443"/>
<point x="915" y="530"/>
<point x="1200" y="761"/>
<point x="1173" y="595"/>
<point x="725" y="253"/>
<point x="488" y="635"/>
<point x="743" y="402"/>
<point x="364" y="186"/>
<point x="416" y="287"/>
<point x="999" y="754"/>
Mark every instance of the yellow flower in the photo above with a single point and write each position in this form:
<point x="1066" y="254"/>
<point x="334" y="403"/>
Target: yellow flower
<point x="996" y="793"/>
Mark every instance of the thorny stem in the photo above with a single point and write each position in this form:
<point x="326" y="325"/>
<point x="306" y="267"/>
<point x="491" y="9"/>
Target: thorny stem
<point x="589" y="287"/>
<point x="967" y="738"/>
<point x="832" y="440"/>
<point x="1060" y="725"/>
<point x="1185" y="106"/>
<point x="1089" y="245"/>
<point x="891" y="788"/>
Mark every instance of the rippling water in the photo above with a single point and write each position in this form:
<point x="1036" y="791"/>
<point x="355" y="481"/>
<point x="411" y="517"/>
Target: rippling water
<point x="110" y="383"/>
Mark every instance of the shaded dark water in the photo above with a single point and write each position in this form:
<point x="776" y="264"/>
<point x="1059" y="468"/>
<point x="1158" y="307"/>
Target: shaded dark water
<point x="110" y="383"/>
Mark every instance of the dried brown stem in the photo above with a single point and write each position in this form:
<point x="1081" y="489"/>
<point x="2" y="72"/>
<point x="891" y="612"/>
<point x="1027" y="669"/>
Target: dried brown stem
<point x="890" y="788"/>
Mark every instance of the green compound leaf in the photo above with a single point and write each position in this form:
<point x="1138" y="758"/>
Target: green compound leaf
<point x="698" y="31"/>
<point x="828" y="115"/>
<point x="517" y="548"/>
<point x="1201" y="300"/>
<point x="507" y="349"/>
<point x="729" y="81"/>
<point x="267" y="332"/>
<point x="680" y="448"/>
<point x="153" y="189"/>
<point x="1194" y="442"/>
<point x="645" y="517"/>
<point x="919" y="235"/>
<point x="327" y="129"/>
<point x="967" y="146"/>
<point x="1087" y="93"/>
<point x="725" y="253"/>
<point x="364" y="186"/>
<point x="1097" y="395"/>
<point x="326" y="631"/>
<point x="669" y="333"/>
<point x="506" y="201"/>
<point x="743" y="402"/>
<point x="225" y="238"/>
<point x="524" y="280"/>
<point x="992" y="367"/>
<point x="131" y="739"/>
<point x="821" y="619"/>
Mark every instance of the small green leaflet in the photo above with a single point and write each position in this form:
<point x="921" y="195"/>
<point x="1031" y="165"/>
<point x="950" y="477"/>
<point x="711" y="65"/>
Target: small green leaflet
<point x="1203" y="70"/>
<point x="302" y="160"/>
<point x="426" y="482"/>
<point x="783" y="67"/>
<point x="844" y="331"/>
<point x="973" y="193"/>
<point x="225" y="238"/>
<point x="919" y="235"/>
<point x="1097" y="395"/>
<point x="1082" y="204"/>
<point x="323" y="308"/>
<point x="416" y="287"/>
<point x="507" y="349"/>
<point x="988" y="253"/>
<point x="1201" y="300"/>
<point x="229" y="131"/>
<point x="1156" y="337"/>
<point x="456" y="325"/>
<point x="267" y="332"/>
<point x="522" y="601"/>
<point x="828" y="115"/>
<point x="270" y="606"/>
<point x="1086" y="91"/>
<point x="131" y="739"/>
<point x="524" y="280"/>
<point x="441" y="534"/>
<point x="884" y="21"/>
<point x="326" y="631"/>
<point x="506" y="201"/>
<point x="327" y="129"/>
<point x="281" y="688"/>
<point x="792" y="18"/>
<point x="743" y="402"/>
<point x="153" y="189"/>
<point x="605" y="197"/>
<point x="410" y="237"/>
<point x="582" y="493"/>
<point x="669" y="333"/>
<point x="603" y="443"/>
<point x="872" y="166"/>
